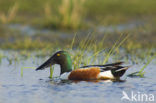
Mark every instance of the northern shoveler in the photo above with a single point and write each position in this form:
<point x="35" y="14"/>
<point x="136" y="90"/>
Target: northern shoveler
<point x="90" y="72"/>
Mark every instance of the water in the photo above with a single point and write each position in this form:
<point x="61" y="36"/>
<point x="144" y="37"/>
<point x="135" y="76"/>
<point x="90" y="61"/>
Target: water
<point x="120" y="27"/>
<point x="36" y="87"/>
<point x="29" y="30"/>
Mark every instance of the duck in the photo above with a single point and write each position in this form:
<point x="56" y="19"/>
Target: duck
<point x="111" y="71"/>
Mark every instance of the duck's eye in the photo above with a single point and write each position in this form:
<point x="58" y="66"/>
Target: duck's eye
<point x="58" y="54"/>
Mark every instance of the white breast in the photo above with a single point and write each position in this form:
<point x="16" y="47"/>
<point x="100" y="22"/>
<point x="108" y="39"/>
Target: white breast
<point x="64" y="76"/>
<point x="107" y="74"/>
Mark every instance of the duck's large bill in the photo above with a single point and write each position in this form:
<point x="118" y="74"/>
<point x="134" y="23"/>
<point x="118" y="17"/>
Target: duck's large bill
<point x="46" y="64"/>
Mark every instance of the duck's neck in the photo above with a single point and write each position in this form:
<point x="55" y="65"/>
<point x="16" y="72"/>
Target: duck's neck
<point x="65" y="68"/>
<point x="66" y="65"/>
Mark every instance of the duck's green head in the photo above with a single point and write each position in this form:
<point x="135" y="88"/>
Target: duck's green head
<point x="62" y="58"/>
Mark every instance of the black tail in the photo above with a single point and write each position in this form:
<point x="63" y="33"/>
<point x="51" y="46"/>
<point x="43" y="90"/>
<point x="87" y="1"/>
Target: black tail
<point x="119" y="71"/>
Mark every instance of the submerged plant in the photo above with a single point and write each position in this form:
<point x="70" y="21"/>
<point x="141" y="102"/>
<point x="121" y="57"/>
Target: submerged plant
<point x="1" y="57"/>
<point x="142" y="72"/>
<point x="116" y="46"/>
<point x="51" y="71"/>
<point x="26" y="68"/>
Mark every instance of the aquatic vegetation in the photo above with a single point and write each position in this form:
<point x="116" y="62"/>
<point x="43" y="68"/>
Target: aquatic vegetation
<point x="22" y="68"/>
<point x="1" y="56"/>
<point x="115" y="47"/>
<point x="27" y="44"/>
<point x="51" y="72"/>
<point x="12" y="12"/>
<point x="69" y="14"/>
<point x="89" y="54"/>
<point x="142" y="72"/>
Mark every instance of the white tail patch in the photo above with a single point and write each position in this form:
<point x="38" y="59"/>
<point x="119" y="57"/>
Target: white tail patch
<point x="65" y="76"/>
<point x="125" y="68"/>
<point x="106" y="74"/>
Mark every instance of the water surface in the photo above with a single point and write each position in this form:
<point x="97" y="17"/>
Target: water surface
<point x="36" y="87"/>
